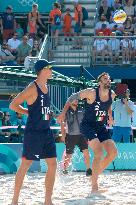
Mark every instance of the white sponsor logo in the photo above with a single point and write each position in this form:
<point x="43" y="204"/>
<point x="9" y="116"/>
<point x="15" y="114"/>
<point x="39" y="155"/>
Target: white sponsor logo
<point x="37" y="156"/>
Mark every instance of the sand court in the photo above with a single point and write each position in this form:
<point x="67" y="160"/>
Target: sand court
<point x="73" y="189"/>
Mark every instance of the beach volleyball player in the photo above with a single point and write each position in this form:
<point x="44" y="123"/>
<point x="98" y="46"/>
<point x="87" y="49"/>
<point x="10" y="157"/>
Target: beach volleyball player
<point x="97" y="112"/>
<point x="38" y="140"/>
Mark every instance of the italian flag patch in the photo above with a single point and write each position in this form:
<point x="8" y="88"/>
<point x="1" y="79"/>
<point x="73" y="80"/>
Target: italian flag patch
<point x="99" y="118"/>
<point x="45" y="117"/>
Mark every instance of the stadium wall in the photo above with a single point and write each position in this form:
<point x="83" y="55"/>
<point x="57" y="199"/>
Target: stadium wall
<point x="10" y="158"/>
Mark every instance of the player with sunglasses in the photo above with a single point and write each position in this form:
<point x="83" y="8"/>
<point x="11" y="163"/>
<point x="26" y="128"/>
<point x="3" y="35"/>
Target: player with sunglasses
<point x="38" y="139"/>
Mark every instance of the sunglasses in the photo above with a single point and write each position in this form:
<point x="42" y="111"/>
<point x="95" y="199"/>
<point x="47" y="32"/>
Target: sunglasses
<point x="8" y="115"/>
<point x="48" y="67"/>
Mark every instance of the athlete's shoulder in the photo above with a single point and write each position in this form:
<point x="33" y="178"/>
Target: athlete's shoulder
<point x="90" y="90"/>
<point x="30" y="86"/>
<point x="30" y="89"/>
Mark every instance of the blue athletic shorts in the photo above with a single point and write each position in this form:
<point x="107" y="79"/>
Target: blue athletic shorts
<point x="38" y="144"/>
<point x="94" y="130"/>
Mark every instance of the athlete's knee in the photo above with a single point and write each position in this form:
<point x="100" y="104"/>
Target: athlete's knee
<point x="98" y="153"/>
<point x="113" y="153"/>
<point x="26" y="164"/>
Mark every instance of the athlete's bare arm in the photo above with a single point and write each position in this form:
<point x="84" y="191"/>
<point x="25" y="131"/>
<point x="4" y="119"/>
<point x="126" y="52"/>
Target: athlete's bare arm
<point x="29" y="95"/>
<point x="110" y="118"/>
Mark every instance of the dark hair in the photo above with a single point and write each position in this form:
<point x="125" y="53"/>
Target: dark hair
<point x="56" y="5"/>
<point x="101" y="75"/>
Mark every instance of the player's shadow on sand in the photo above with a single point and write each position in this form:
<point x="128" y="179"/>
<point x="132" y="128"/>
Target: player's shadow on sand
<point x="91" y="199"/>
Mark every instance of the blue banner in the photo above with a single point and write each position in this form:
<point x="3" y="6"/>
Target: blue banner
<point x="10" y="158"/>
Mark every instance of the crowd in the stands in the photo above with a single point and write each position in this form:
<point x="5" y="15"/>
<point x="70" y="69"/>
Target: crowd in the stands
<point x="121" y="44"/>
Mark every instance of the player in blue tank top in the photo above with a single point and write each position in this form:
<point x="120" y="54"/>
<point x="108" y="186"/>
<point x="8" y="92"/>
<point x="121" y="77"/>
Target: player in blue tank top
<point x="38" y="139"/>
<point x="97" y="112"/>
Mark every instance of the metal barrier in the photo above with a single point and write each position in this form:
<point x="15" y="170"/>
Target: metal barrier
<point x="72" y="50"/>
<point x="95" y="50"/>
<point x="59" y="94"/>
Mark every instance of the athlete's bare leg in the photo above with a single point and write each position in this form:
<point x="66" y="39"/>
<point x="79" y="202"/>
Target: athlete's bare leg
<point x="25" y="164"/>
<point x="86" y="158"/>
<point x="98" y="153"/>
<point x="110" y="147"/>
<point x="50" y="179"/>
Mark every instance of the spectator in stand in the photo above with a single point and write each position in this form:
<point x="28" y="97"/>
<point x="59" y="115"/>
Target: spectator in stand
<point x="122" y="110"/>
<point x="114" y="47"/>
<point x="34" y="53"/>
<point x="134" y="24"/>
<point x="32" y="27"/>
<point x="133" y="51"/>
<point x="117" y="5"/>
<point x="78" y="17"/>
<point x="30" y="39"/>
<point x="41" y="32"/>
<point x="110" y="3"/>
<point x="99" y="48"/>
<point x="6" y="122"/>
<point x="55" y="20"/>
<point x="1" y="134"/>
<point x="35" y="14"/>
<point x="8" y="23"/>
<point x="67" y="27"/>
<point x="13" y="44"/>
<point x="18" y="134"/>
<point x="129" y="8"/>
<point x="126" y="45"/>
<point x="104" y="9"/>
<point x="117" y="28"/>
<point x="106" y="31"/>
<point x="6" y="56"/>
<point x="103" y="20"/>
<point x="35" y="49"/>
<point x="23" y="50"/>
<point x="19" y="31"/>
<point x="128" y="26"/>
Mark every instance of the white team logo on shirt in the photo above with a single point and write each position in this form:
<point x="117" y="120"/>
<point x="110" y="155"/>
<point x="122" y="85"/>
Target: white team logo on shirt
<point x="45" y="110"/>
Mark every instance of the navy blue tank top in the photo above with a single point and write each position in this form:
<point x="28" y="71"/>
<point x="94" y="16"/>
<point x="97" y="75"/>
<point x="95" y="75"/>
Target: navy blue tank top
<point x="39" y="112"/>
<point x="97" y="112"/>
